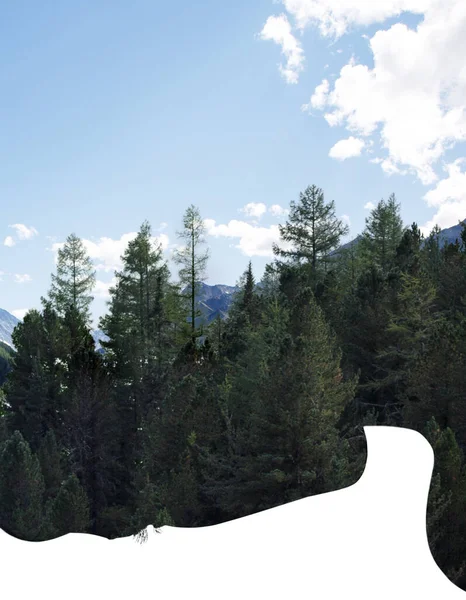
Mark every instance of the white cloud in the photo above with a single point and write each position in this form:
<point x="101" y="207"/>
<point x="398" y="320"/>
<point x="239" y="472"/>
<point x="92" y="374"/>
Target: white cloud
<point x="369" y="206"/>
<point x="452" y="188"/>
<point x="106" y="252"/>
<point x="449" y="196"/>
<point x="278" y="211"/>
<point x="24" y="232"/>
<point x="19" y="313"/>
<point x="9" y="241"/>
<point x="22" y="278"/>
<point x="319" y="97"/>
<point x="335" y="17"/>
<point x="346" y="219"/>
<point x="101" y="289"/>
<point x="253" y="240"/>
<point x="278" y="29"/>
<point x="346" y="148"/>
<point x="413" y="98"/>
<point x="254" y="209"/>
<point x="388" y="166"/>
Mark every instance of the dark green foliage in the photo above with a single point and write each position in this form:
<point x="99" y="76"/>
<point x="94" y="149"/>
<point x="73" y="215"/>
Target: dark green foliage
<point x="382" y="235"/>
<point x="21" y="489"/>
<point x="68" y="512"/>
<point x="34" y="386"/>
<point x="6" y="359"/>
<point x="51" y="464"/>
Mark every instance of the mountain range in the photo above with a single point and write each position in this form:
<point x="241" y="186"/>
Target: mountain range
<point x="212" y="300"/>
<point x="446" y="236"/>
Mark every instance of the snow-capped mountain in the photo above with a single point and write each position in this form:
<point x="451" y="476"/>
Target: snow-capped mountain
<point x="7" y="323"/>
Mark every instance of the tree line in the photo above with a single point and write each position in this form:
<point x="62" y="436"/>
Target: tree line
<point x="186" y="424"/>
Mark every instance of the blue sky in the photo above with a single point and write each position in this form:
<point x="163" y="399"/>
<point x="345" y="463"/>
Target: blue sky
<point x="116" y="112"/>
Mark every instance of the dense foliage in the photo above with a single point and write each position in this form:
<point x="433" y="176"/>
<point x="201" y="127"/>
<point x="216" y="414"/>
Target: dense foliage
<point x="179" y="423"/>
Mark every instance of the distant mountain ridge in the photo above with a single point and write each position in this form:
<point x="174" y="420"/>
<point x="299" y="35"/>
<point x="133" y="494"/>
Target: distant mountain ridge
<point x="446" y="236"/>
<point x="213" y="301"/>
<point x="7" y="323"/>
<point x="451" y="234"/>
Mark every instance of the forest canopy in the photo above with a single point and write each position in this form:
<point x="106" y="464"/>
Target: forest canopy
<point x="187" y="424"/>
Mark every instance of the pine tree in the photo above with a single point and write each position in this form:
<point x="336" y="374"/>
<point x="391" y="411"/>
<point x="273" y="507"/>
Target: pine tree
<point x="408" y="251"/>
<point x="68" y="512"/>
<point x="137" y="320"/>
<point x="382" y="235"/>
<point x="34" y="387"/>
<point x="284" y="416"/>
<point x="51" y="464"/>
<point x="21" y="489"/>
<point x="244" y="316"/>
<point x="91" y="428"/>
<point x="312" y="229"/>
<point x="193" y="263"/>
<point x="408" y="332"/>
<point x="74" y="279"/>
<point x="141" y="324"/>
<point x="6" y="359"/>
<point x="431" y="254"/>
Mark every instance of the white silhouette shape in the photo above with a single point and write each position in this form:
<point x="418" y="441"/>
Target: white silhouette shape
<point x="366" y="541"/>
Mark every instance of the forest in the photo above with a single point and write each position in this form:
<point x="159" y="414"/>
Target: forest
<point x="187" y="424"/>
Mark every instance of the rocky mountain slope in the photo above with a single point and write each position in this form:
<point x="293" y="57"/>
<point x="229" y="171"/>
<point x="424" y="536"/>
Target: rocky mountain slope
<point x="7" y="323"/>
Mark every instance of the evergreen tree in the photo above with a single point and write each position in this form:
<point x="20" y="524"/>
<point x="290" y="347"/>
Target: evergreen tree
<point x="137" y="324"/>
<point x="35" y="385"/>
<point x="312" y="230"/>
<point x="21" y="489"/>
<point x="51" y="464"/>
<point x="431" y="255"/>
<point x="244" y="315"/>
<point x="74" y="279"/>
<point x="91" y="428"/>
<point x="6" y="359"/>
<point x="193" y="263"/>
<point x="408" y="251"/>
<point x="408" y="332"/>
<point x="68" y="512"/>
<point x="285" y="441"/>
<point x="382" y="235"/>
